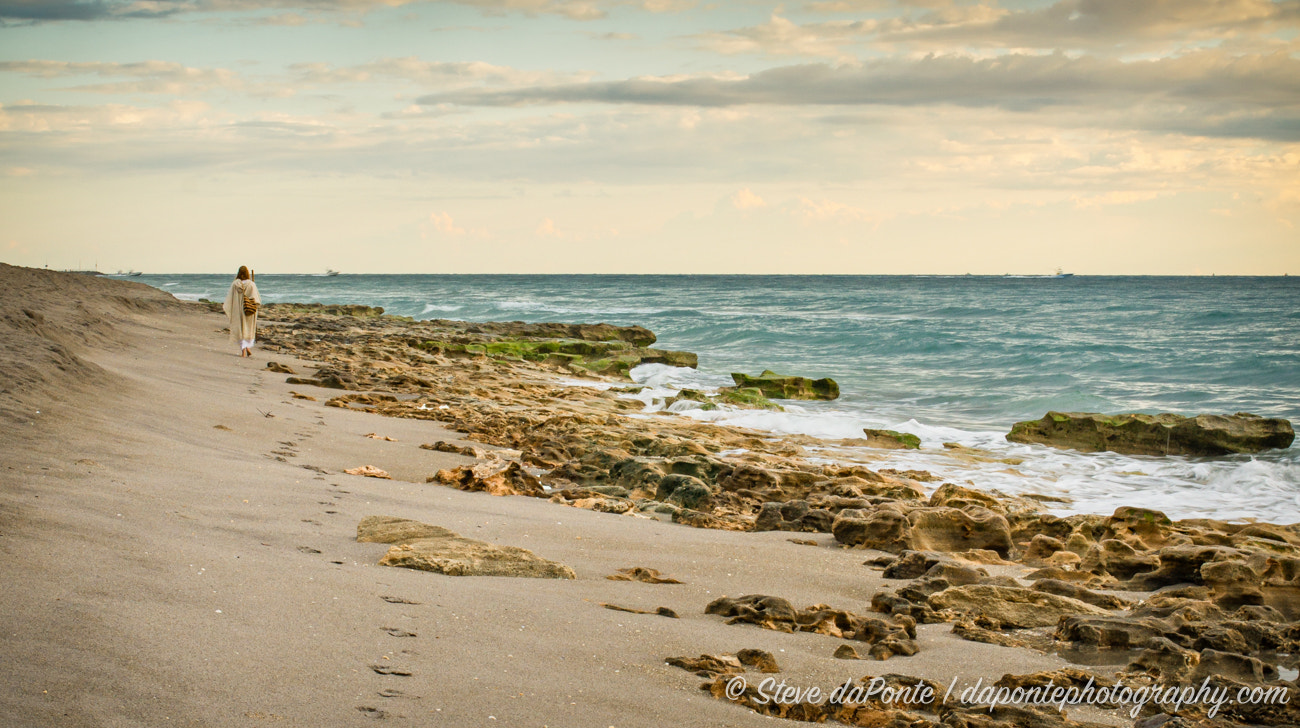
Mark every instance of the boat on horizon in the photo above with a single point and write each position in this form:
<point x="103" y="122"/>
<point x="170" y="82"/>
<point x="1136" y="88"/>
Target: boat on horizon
<point x="1061" y="274"/>
<point x="331" y="272"/>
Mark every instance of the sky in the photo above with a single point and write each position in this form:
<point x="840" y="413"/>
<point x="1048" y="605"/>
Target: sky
<point x="652" y="136"/>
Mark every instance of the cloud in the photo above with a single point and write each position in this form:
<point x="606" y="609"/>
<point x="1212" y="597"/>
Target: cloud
<point x="546" y="229"/>
<point x="434" y="74"/>
<point x="46" y="10"/>
<point x="1118" y="197"/>
<point x="781" y="37"/>
<point x="1087" y="23"/>
<point x="443" y="223"/>
<point x="824" y="210"/>
<point x="160" y="77"/>
<point x="37" y="11"/>
<point x="745" y="199"/>
<point x="1207" y="92"/>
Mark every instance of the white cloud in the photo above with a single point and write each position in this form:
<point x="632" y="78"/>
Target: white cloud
<point x="779" y="36"/>
<point x="745" y="199"/>
<point x="443" y="223"/>
<point x="546" y="229"/>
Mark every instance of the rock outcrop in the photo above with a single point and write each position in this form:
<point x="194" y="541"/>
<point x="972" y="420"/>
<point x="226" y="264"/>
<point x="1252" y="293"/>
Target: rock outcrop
<point x="776" y="386"/>
<point x="1011" y="607"/>
<point x="1163" y="434"/>
<point x="886" y="637"/>
<point x="494" y="476"/>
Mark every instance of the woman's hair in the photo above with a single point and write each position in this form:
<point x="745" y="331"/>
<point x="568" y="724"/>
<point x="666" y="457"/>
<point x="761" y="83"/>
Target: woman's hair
<point x="243" y="274"/>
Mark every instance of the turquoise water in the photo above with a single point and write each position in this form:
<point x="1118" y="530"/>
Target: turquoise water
<point x="953" y="359"/>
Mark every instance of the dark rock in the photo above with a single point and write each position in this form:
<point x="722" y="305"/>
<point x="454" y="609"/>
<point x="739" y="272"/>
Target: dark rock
<point x="1234" y="666"/>
<point x="911" y="564"/>
<point x="685" y="491"/>
<point x="1165" y="661"/>
<point x="642" y="574"/>
<point x="767" y="612"/>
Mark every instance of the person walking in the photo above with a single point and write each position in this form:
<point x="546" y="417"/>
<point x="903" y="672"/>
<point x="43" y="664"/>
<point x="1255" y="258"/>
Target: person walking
<point x="241" y="306"/>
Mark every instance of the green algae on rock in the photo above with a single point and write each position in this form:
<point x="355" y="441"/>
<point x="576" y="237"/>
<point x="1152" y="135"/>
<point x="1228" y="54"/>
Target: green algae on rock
<point x="1162" y="434"/>
<point x="777" y="386"/>
<point x="891" y="439"/>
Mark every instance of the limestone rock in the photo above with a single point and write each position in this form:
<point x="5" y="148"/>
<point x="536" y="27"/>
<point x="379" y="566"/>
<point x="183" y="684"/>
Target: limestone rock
<point x="776" y="386"/>
<point x="1012" y="607"/>
<point x="891" y="439"/>
<point x="684" y="490"/>
<point x="369" y="471"/>
<point x="709" y="666"/>
<point x="968" y="630"/>
<point x="1163" y="434"/>
<point x="765" y="611"/>
<point x="1107" y="631"/>
<point x="1239" y="667"/>
<point x="433" y="548"/>
<point x="1083" y="594"/>
<point x="952" y="529"/>
<point x="881" y="529"/>
<point x="642" y="574"/>
<point x="493" y="476"/>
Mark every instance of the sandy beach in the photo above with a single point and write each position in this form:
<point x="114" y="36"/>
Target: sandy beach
<point x="180" y="547"/>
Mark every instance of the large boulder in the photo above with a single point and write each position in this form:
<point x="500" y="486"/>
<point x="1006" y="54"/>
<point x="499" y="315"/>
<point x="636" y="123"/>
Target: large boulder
<point x="954" y="529"/>
<point x="433" y="548"/>
<point x="776" y="386"/>
<point x="882" y="529"/>
<point x="1012" y="607"/>
<point x="1163" y="434"/>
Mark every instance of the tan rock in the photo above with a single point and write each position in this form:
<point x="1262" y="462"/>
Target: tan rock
<point x="433" y="548"/>
<point x="369" y="471"/>
<point x="953" y="529"/>
<point x="1012" y="607"/>
<point x="494" y="477"/>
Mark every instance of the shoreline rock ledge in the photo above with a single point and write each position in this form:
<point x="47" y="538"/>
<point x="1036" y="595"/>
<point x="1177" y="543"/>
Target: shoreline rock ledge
<point x="1162" y="434"/>
<point x="777" y="386"/>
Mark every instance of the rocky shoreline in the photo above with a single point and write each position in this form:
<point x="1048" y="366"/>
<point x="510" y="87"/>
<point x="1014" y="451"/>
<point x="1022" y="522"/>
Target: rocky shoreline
<point x="1169" y="602"/>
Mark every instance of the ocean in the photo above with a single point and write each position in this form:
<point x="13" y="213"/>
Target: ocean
<point x="948" y="358"/>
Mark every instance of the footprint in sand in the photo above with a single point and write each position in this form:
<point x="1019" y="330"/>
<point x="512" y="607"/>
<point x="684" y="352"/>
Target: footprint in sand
<point x="397" y="632"/>
<point x="395" y="693"/>
<point x="372" y="712"/>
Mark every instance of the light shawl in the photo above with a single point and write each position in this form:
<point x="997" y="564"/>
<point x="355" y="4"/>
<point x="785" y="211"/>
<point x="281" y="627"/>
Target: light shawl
<point x="243" y="327"/>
